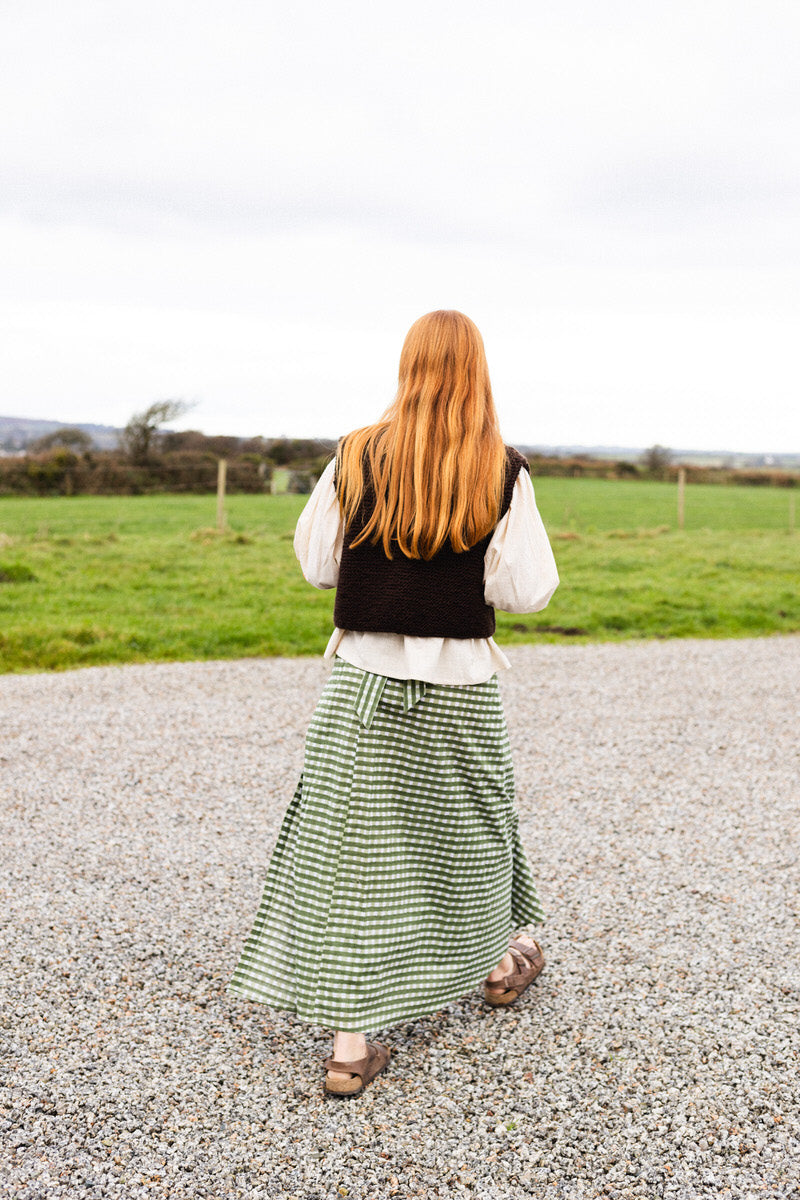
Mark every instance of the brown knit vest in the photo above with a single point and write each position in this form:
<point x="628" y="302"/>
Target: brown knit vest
<point x="437" y="597"/>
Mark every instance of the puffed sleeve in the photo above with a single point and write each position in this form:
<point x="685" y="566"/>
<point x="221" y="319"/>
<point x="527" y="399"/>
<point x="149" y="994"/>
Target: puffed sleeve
<point x="520" y="572"/>
<point x="320" y="532"/>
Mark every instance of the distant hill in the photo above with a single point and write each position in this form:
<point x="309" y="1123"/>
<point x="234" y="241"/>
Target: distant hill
<point x="18" y="432"/>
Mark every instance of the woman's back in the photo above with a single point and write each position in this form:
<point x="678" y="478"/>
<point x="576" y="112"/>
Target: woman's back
<point x="438" y="596"/>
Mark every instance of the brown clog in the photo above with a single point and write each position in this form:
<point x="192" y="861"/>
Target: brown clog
<point x="363" y="1070"/>
<point x="505" y="991"/>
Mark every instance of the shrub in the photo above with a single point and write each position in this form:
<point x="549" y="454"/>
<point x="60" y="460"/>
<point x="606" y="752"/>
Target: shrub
<point x="16" y="572"/>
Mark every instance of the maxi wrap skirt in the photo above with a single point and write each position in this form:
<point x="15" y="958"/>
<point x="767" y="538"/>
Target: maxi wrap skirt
<point x="398" y="872"/>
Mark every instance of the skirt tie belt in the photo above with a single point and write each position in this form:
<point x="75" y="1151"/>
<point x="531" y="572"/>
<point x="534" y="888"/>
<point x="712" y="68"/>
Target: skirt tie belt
<point x="371" y="689"/>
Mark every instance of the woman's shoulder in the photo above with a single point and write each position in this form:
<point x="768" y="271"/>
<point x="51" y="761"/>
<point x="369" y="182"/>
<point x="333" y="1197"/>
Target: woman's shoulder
<point x="516" y="461"/>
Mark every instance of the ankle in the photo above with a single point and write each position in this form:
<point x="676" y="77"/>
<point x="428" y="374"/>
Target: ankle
<point x="504" y="967"/>
<point x="349" y="1047"/>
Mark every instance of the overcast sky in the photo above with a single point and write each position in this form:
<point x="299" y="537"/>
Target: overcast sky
<point x="247" y="204"/>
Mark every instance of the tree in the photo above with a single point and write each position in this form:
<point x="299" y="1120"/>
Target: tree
<point x="69" y="435"/>
<point x="657" y="459"/>
<point x="139" y="435"/>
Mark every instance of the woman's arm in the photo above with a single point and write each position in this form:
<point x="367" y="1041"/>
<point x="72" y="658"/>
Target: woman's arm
<point x="520" y="572"/>
<point x="319" y="533"/>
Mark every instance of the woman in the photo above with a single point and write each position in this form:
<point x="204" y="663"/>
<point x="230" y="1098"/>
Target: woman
<point x="398" y="872"/>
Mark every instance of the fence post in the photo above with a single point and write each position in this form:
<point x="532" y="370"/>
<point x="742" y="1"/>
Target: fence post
<point x="681" y="494"/>
<point x="222" y="467"/>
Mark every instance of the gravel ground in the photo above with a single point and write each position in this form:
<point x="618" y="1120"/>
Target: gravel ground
<point x="656" y="1056"/>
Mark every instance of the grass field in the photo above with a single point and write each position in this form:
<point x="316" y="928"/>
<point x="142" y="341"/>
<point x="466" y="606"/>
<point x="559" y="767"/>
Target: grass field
<point x="98" y="579"/>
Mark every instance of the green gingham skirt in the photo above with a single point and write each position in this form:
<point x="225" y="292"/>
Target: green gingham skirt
<point x="398" y="873"/>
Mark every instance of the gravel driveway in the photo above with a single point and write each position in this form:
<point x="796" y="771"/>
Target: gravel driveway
<point x="658" y="787"/>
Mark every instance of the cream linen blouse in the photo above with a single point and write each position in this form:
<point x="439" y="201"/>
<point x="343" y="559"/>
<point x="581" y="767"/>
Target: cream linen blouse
<point x="519" y="576"/>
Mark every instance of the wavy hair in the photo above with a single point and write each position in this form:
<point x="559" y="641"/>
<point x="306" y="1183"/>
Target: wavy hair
<point x="436" y="457"/>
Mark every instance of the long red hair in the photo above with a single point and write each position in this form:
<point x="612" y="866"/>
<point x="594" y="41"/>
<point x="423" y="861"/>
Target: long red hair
<point x="436" y="457"/>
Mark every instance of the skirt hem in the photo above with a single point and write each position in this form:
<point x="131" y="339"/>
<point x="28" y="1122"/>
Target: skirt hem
<point x="375" y="1021"/>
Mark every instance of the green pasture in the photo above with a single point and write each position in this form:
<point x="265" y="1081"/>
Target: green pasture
<point x="107" y="579"/>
